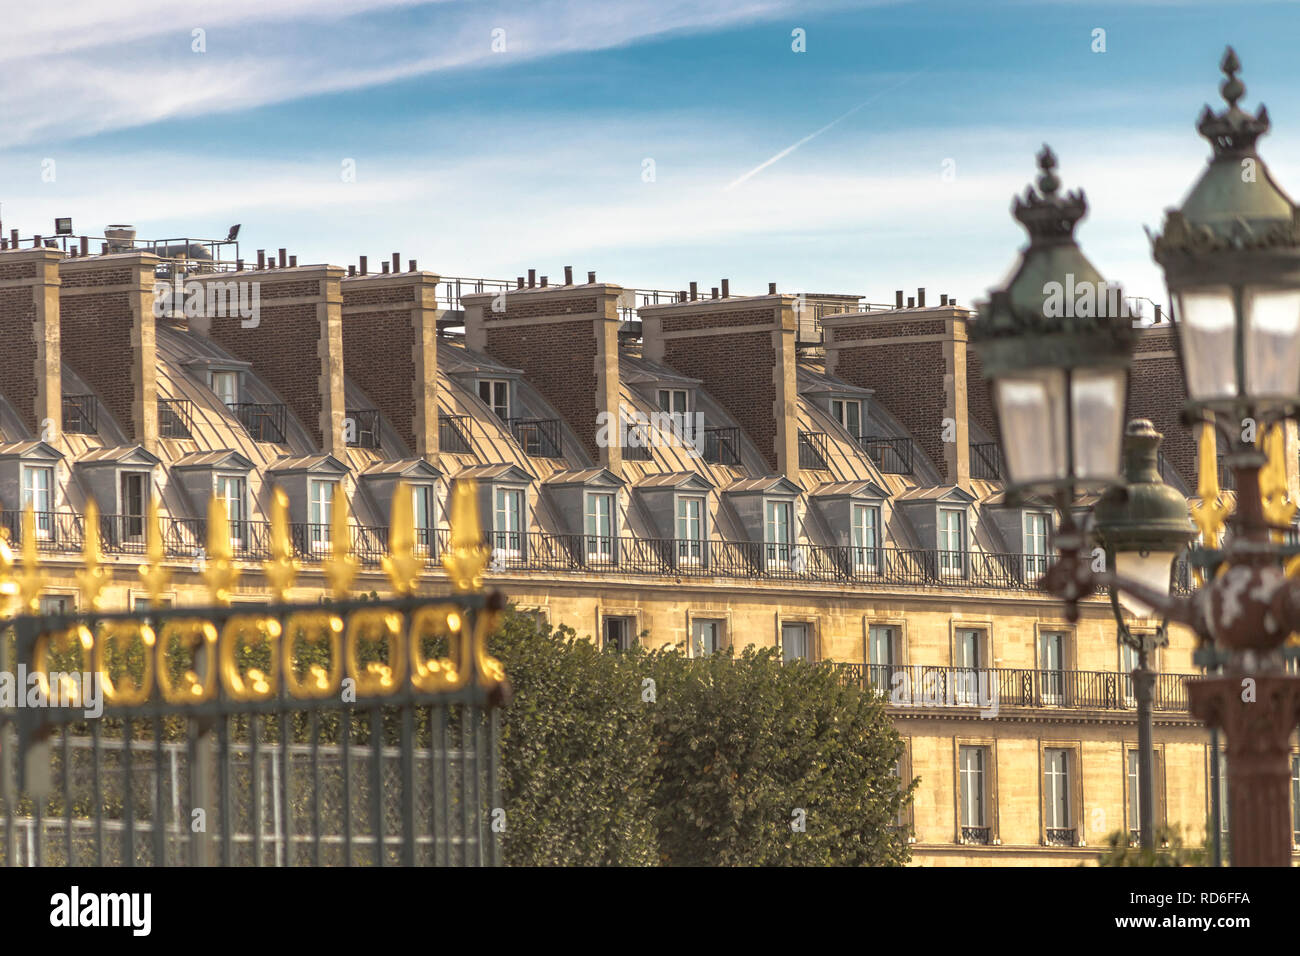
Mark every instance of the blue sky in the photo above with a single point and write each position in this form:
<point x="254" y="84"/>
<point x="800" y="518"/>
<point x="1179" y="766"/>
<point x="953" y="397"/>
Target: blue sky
<point x="484" y="163"/>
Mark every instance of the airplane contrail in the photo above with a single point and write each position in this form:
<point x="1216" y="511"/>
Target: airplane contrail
<point x="813" y="135"/>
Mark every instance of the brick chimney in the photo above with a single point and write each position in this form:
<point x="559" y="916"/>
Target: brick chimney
<point x="298" y="308"/>
<point x="565" y="339"/>
<point x="743" y="349"/>
<point x="916" y="360"/>
<point x="390" y="350"/>
<point x="29" y="323"/>
<point x="106" y="314"/>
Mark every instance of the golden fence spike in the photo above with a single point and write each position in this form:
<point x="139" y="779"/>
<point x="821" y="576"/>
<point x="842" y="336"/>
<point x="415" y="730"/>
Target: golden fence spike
<point x="340" y="567"/>
<point x="8" y="583"/>
<point x="155" y="576"/>
<point x="1211" y="511"/>
<point x="467" y="555"/>
<point x="401" y="565"/>
<point x="220" y="573"/>
<point x="282" y="569"/>
<point x="1279" y="509"/>
<point x="93" y="576"/>
<point x="32" y="581"/>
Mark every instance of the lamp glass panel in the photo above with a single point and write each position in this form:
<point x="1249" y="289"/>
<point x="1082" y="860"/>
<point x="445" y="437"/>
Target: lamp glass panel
<point x="1272" y="342"/>
<point x="1031" y="409"/>
<point x="1206" y="323"/>
<point x="1097" y="397"/>
<point x="1151" y="568"/>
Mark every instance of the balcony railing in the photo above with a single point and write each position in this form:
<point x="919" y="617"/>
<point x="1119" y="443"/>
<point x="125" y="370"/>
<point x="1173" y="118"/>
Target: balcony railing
<point x="80" y="414"/>
<point x="893" y="456"/>
<point x="263" y="421"/>
<point x="539" y="437"/>
<point x="812" y="451"/>
<point x="1060" y="836"/>
<point x="977" y="835"/>
<point x="722" y="445"/>
<point x="364" y="428"/>
<point x="175" y="418"/>
<point x="923" y="685"/>
<point x="453" y="434"/>
<point x="986" y="461"/>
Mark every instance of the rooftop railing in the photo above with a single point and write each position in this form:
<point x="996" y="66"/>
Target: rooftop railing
<point x="539" y="437"/>
<point x="986" y="461"/>
<point x="364" y="427"/>
<point x="453" y="434"/>
<point x="722" y="445"/>
<point x="812" y="451"/>
<point x="893" y="456"/>
<point x="80" y="414"/>
<point x="175" y="418"/>
<point x="263" y="421"/>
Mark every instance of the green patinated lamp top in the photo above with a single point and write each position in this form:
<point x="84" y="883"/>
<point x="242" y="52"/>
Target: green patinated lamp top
<point x="1143" y="513"/>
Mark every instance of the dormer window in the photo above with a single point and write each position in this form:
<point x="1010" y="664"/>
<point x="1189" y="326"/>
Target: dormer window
<point x="321" y="498"/>
<point x="866" y="537"/>
<point x="133" y="500"/>
<point x="508" y="523"/>
<point x="422" y="508"/>
<point x="225" y="384"/>
<point x="1036" y="530"/>
<point x="599" y="519"/>
<point x="38" y="491"/>
<point x="232" y="491"/>
<point x="778" y="530"/>
<point x="952" y="542"/>
<point x="674" y="400"/>
<point x="690" y="529"/>
<point x="848" y="412"/>
<point x="495" y="393"/>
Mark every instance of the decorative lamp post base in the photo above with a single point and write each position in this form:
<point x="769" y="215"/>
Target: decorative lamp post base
<point x="1258" y="713"/>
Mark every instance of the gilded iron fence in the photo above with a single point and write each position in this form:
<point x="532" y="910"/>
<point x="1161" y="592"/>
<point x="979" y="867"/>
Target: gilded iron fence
<point x="345" y="732"/>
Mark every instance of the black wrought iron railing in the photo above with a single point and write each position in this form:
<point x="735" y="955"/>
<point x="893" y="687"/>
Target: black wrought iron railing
<point x="986" y="461"/>
<point x="1060" y="836"/>
<point x="893" y="456"/>
<point x="976" y="835"/>
<point x="924" y="685"/>
<point x="539" y="437"/>
<point x="722" y="445"/>
<point x="262" y="420"/>
<point x="812" y="451"/>
<point x="453" y="434"/>
<point x="175" y="418"/>
<point x="362" y="427"/>
<point x="80" y="414"/>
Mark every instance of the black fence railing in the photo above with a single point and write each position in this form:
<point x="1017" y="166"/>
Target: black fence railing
<point x="722" y="445"/>
<point x="893" y="456"/>
<point x="453" y="434"/>
<point x="923" y="685"/>
<point x="262" y="420"/>
<point x="175" y="418"/>
<point x="539" y="437"/>
<point x="80" y="414"/>
<point x="986" y="461"/>
<point x="812" y="451"/>
<point x="363" y="427"/>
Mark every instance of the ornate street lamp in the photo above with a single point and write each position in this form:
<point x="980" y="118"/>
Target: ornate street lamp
<point x="1143" y="525"/>
<point x="1231" y="258"/>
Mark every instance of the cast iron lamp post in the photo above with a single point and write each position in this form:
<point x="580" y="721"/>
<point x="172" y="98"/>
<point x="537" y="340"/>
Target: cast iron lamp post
<point x="1143" y="525"/>
<point x="1231" y="258"/>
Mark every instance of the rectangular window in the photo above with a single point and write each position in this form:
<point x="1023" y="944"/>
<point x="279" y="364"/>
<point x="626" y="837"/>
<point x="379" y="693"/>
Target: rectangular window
<point x="600" y="526"/>
<point x="882" y="643"/>
<point x="135" y="492"/>
<point x="849" y="414"/>
<point x="690" y="530"/>
<point x="321" y="496"/>
<point x="1056" y="796"/>
<point x="1134" y="798"/>
<point x="1036" y="548"/>
<point x="706" y="636"/>
<point x="1051" y="662"/>
<point x="971" y="784"/>
<point x="952" y="546"/>
<point x="777" y="531"/>
<point x="38" y="491"/>
<point x="226" y="386"/>
<point x="618" y="633"/>
<point x="966" y="662"/>
<point x="495" y="393"/>
<point x="507" y="531"/>
<point x="866" y="540"/>
<point x="57" y="604"/>
<point x="422" y="508"/>
<point x="232" y="492"/>
<point x="794" y="642"/>
<point x="1128" y="662"/>
<point x="673" y="400"/>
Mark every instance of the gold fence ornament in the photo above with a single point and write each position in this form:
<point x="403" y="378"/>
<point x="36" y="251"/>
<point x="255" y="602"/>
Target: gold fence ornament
<point x="282" y="569"/>
<point x="433" y="674"/>
<point x="253" y="684"/>
<point x="466" y="556"/>
<point x="156" y="578"/>
<point x="1279" y="509"/>
<point x="340" y="567"/>
<point x="198" y="637"/>
<point x="125" y="691"/>
<point x="70" y="694"/>
<point x="32" y="581"/>
<point x="491" y="672"/>
<point x="1211" y="512"/>
<point x="401" y="564"/>
<point x="375" y="625"/>
<point x="313" y="626"/>
<point x="220" y="572"/>
<point x="8" y="584"/>
<point x="93" y="576"/>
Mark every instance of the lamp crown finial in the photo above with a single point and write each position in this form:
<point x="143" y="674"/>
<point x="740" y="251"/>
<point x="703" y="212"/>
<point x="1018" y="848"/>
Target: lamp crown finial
<point x="1234" y="131"/>
<point x="1044" y="213"/>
